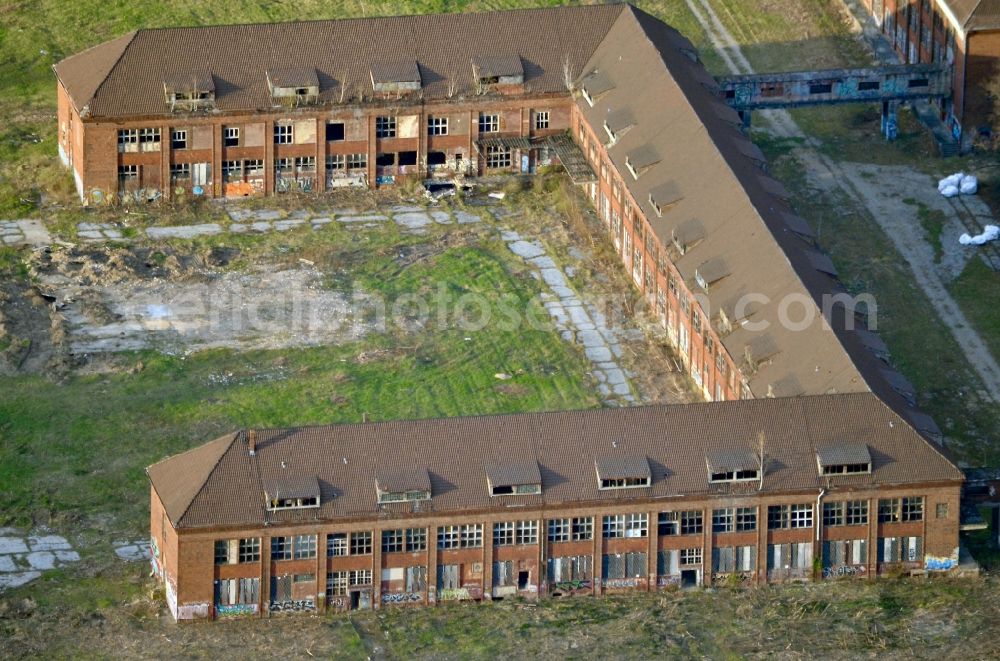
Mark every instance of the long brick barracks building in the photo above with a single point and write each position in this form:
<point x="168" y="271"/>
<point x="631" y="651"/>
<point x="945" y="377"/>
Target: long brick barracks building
<point x="418" y="512"/>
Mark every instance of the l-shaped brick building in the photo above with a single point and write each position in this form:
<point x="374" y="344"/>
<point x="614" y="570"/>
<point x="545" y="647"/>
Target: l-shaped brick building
<point x="749" y="301"/>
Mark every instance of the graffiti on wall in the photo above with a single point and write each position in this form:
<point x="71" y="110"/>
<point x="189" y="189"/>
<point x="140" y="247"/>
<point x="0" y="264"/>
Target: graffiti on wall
<point x="337" y="602"/>
<point x="293" y="606"/>
<point x="192" y="611"/>
<point x="670" y="579"/>
<point x="844" y="570"/>
<point x="936" y="563"/>
<point x="613" y="583"/>
<point x="571" y="586"/>
<point x="454" y="594"/>
<point x="171" y="597"/>
<point x="401" y="597"/>
<point x="233" y="610"/>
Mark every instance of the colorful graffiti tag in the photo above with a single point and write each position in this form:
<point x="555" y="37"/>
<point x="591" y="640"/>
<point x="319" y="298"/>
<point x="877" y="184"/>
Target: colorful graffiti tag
<point x="570" y="586"/>
<point x="233" y="610"/>
<point x="613" y="583"/>
<point x="934" y="563"/>
<point x="454" y="594"/>
<point x="401" y="597"/>
<point x="293" y="606"/>
<point x="844" y="570"/>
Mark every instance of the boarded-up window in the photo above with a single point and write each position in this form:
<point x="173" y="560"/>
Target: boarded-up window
<point x="449" y="577"/>
<point x="503" y="573"/>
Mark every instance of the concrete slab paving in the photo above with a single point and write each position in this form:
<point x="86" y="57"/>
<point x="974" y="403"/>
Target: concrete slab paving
<point x="41" y="560"/>
<point x="17" y="579"/>
<point x="441" y="217"/>
<point x="412" y="220"/>
<point x="184" y="231"/>
<point x="526" y="249"/>
<point x="12" y="545"/>
<point x="48" y="543"/>
<point x="464" y="217"/>
<point x="7" y="564"/>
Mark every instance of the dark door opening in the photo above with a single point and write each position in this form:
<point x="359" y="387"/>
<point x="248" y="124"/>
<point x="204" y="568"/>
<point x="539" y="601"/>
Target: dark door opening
<point x="522" y="580"/>
<point x="689" y="578"/>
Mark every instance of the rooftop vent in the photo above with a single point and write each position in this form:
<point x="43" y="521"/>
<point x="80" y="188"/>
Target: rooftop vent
<point x="843" y="459"/>
<point x="398" y="77"/>
<point x="404" y="486"/>
<point x="626" y="472"/>
<point x="513" y="478"/>
<point x="293" y="86"/>
<point x="189" y="91"/>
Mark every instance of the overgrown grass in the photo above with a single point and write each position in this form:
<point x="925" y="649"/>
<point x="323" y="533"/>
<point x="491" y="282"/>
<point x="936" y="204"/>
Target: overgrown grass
<point x="978" y="292"/>
<point x="80" y="447"/>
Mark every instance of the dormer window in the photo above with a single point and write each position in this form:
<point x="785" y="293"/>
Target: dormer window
<point x="664" y="196"/>
<point x="711" y="272"/>
<point x="617" y="124"/>
<point x="292" y="493"/>
<point x="189" y="91"/>
<point x="514" y="479"/>
<point x="844" y="459"/>
<point x="410" y="486"/>
<point x="496" y="72"/>
<point x="687" y="235"/>
<point x="623" y="473"/>
<point x="595" y="85"/>
<point x="396" y="78"/>
<point x="640" y="160"/>
<point x="293" y="86"/>
<point x="732" y="466"/>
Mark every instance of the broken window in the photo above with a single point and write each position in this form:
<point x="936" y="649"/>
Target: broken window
<point x="576" y="529"/>
<point x="357" y="162"/>
<point x="689" y="522"/>
<point x="336" y="544"/>
<point x="437" y="125"/>
<point x="385" y="127"/>
<point x="334" y="131"/>
<point x="407" y="158"/>
<point x="900" y="549"/>
<point x="232" y="170"/>
<point x="497" y="157"/>
<point x="232" y="551"/>
<point x="625" y="525"/>
<point x="283" y="134"/>
<point x="254" y="167"/>
<point x="281" y="548"/>
<point x="408" y="540"/>
<point x="336" y="162"/>
<point x="385" y="160"/>
<point x="570" y="568"/>
<point x="237" y="591"/>
<point x="515" y="533"/>
<point x="728" y="559"/>
<point x="436" y="158"/>
<point x="941" y="511"/>
<point x="464" y="536"/>
<point x="489" y="122"/>
<point x="690" y="557"/>
<point x="283" y="165"/>
<point x="231" y="136"/>
<point x="839" y="553"/>
<point x="305" y="164"/>
<point x="361" y="543"/>
<point x="127" y="137"/>
<point x="541" y="119"/>
<point x="503" y="574"/>
<point x="305" y="547"/>
<point x="891" y="510"/>
<point x="623" y="565"/>
<point x="128" y="173"/>
<point x="180" y="171"/>
<point x="178" y="138"/>
<point x="149" y="135"/>
<point x="789" y="516"/>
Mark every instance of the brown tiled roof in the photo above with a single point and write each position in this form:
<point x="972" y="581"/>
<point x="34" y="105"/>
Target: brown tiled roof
<point x="396" y="71"/>
<point x="975" y="14"/>
<point x="219" y="484"/>
<point x="407" y="479"/>
<point x="125" y="77"/>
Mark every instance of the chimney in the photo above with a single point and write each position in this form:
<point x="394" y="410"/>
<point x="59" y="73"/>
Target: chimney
<point x="252" y="441"/>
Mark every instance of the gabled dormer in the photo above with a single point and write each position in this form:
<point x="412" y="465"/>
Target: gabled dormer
<point x="617" y="124"/>
<point x="640" y="160"/>
<point x="396" y="78"/>
<point x="595" y="85"/>
<point x="712" y="271"/>
<point x="189" y="91"/>
<point x="732" y="466"/>
<point x="623" y="472"/>
<point x="298" y="86"/>
<point x="292" y="493"/>
<point x="843" y="458"/>
<point x="513" y="478"/>
<point x="664" y="196"/>
<point x="405" y="486"/>
<point x="687" y="235"/>
<point x="503" y="73"/>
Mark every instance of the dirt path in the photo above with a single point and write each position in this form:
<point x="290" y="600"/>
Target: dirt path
<point x="882" y="204"/>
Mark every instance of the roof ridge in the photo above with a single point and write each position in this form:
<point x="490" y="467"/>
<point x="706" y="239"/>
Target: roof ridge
<point x="107" y="74"/>
<point x="377" y="17"/>
<point x="940" y="450"/>
<point x="208" y="475"/>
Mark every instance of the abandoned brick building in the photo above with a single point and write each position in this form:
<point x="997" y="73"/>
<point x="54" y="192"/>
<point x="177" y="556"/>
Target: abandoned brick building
<point x="961" y="33"/>
<point x="578" y="502"/>
<point x="752" y="306"/>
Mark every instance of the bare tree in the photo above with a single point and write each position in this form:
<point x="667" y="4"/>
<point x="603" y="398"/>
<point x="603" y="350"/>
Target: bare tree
<point x="452" y="83"/>
<point x="342" y="77"/>
<point x="761" y="459"/>
<point x="568" y="77"/>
